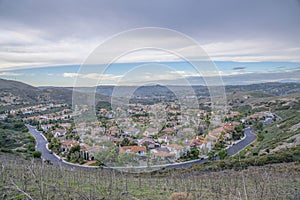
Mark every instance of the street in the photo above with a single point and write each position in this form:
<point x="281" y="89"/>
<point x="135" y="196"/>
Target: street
<point x="47" y="155"/>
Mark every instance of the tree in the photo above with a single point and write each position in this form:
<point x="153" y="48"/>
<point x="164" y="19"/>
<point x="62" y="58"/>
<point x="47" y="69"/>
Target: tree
<point x="74" y="157"/>
<point x="219" y="145"/>
<point x="109" y="155"/>
<point x="127" y="158"/>
<point x="223" y="154"/>
<point x="211" y="155"/>
<point x="127" y="142"/>
<point x="55" y="145"/>
<point x="258" y="126"/>
<point x="74" y="149"/>
<point x="260" y="136"/>
<point x="238" y="128"/>
<point x="194" y="153"/>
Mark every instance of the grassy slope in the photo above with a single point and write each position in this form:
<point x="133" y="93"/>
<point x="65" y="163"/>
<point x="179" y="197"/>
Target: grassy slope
<point x="14" y="138"/>
<point x="50" y="182"/>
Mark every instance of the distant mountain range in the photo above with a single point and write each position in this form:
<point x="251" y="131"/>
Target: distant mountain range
<point x="14" y="92"/>
<point x="273" y="88"/>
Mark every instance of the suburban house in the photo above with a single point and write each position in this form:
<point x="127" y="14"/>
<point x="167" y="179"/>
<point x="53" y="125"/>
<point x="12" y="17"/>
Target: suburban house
<point x="88" y="152"/>
<point x="67" y="145"/>
<point x="228" y="127"/>
<point x="150" y="143"/>
<point x="114" y="131"/>
<point x="131" y="131"/>
<point x="46" y="127"/>
<point x="59" y="132"/>
<point x="150" y="132"/>
<point x="139" y="150"/>
<point x="162" y="153"/>
<point x="94" y="149"/>
<point x="166" y="138"/>
<point x="186" y="131"/>
<point x="257" y="116"/>
<point x="178" y="150"/>
<point x="66" y="125"/>
<point x="169" y="131"/>
<point x="214" y="134"/>
<point x="198" y="143"/>
<point x="232" y="114"/>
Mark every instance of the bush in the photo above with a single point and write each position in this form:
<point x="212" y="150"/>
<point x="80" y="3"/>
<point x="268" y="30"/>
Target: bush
<point x="260" y="137"/>
<point x="37" y="154"/>
<point x="223" y="154"/>
<point x="31" y="147"/>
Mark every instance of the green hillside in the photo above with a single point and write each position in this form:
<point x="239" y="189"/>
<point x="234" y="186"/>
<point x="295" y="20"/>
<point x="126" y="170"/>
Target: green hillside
<point x="14" y="138"/>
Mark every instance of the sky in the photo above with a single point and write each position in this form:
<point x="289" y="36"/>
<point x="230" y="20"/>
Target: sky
<point x="49" y="39"/>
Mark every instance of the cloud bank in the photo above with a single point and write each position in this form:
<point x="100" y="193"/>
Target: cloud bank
<point x="53" y="32"/>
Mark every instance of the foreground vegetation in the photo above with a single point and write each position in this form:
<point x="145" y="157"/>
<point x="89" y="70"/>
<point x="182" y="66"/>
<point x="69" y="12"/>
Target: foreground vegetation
<point x="14" y="138"/>
<point x="21" y="179"/>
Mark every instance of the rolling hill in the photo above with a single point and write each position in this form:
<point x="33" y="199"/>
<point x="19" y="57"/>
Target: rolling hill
<point x="14" y="93"/>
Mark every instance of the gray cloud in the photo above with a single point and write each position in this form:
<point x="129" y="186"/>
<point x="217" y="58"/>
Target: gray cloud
<point x="219" y="22"/>
<point x="238" y="68"/>
<point x="206" y="19"/>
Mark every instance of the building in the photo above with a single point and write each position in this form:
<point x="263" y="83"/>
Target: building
<point x="139" y="150"/>
<point x="178" y="150"/>
<point x="67" y="145"/>
<point x="150" y="132"/>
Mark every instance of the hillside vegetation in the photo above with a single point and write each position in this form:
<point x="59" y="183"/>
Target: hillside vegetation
<point x="14" y="138"/>
<point x="22" y="179"/>
<point x="14" y="93"/>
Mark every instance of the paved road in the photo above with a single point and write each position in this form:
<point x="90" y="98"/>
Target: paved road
<point x="250" y="137"/>
<point x="233" y="150"/>
<point x="42" y="142"/>
<point x="41" y="145"/>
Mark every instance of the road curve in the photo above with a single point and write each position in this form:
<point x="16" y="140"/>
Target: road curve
<point x="41" y="145"/>
<point x="42" y="142"/>
<point x="249" y="138"/>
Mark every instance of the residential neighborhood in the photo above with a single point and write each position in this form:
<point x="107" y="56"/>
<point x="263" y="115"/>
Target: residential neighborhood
<point x="141" y="136"/>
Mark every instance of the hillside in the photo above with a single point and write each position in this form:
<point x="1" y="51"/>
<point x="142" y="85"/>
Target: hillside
<point x="272" y="88"/>
<point x="268" y="89"/>
<point x="33" y="180"/>
<point x="267" y="169"/>
<point x="15" y="139"/>
<point x="278" y="141"/>
<point x="17" y="93"/>
<point x="13" y="93"/>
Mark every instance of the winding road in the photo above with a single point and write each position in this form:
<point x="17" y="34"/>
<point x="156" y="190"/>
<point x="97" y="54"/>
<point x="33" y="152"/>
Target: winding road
<point x="42" y="142"/>
<point x="41" y="145"/>
<point x="249" y="138"/>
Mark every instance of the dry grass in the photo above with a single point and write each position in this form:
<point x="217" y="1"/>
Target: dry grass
<point x="181" y="196"/>
<point x="30" y="180"/>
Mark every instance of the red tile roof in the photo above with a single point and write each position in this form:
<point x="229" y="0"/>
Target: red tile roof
<point x="196" y="142"/>
<point x="133" y="149"/>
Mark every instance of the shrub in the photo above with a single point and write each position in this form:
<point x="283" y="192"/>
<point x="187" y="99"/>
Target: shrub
<point x="260" y="137"/>
<point x="37" y="154"/>
<point x="223" y="154"/>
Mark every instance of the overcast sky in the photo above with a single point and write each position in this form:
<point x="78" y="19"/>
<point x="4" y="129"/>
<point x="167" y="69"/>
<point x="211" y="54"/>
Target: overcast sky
<point x="54" y="32"/>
